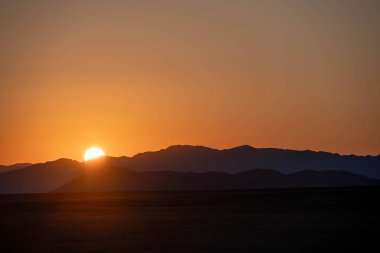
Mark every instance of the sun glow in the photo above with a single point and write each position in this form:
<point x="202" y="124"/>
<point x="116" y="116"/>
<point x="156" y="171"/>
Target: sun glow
<point x="93" y="153"/>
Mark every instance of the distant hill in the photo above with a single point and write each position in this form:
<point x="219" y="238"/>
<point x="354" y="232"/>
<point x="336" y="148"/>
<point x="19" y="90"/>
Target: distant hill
<point x="39" y="178"/>
<point x="202" y="159"/>
<point x="120" y="179"/>
<point x="17" y="166"/>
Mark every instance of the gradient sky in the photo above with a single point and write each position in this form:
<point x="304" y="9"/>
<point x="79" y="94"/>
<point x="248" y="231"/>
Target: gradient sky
<point x="132" y="76"/>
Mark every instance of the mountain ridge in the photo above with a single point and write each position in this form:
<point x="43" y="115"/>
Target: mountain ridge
<point x="16" y="166"/>
<point x="119" y="180"/>
<point x="187" y="159"/>
<point x="40" y="177"/>
<point x="244" y="157"/>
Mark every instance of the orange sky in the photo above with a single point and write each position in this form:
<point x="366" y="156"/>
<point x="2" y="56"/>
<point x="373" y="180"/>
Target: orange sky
<point x="131" y="76"/>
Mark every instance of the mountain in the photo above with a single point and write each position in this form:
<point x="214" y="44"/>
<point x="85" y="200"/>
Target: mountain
<point x="40" y="178"/>
<point x="196" y="167"/>
<point x="17" y="166"/>
<point x="202" y="159"/>
<point x="120" y="179"/>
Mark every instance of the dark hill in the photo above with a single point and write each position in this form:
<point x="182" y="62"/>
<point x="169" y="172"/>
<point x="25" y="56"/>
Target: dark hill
<point x="119" y="179"/>
<point x="17" y="166"/>
<point x="41" y="177"/>
<point x="202" y="159"/>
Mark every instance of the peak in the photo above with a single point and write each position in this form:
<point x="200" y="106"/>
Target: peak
<point x="186" y="147"/>
<point x="65" y="160"/>
<point x="62" y="161"/>
<point x="243" y="148"/>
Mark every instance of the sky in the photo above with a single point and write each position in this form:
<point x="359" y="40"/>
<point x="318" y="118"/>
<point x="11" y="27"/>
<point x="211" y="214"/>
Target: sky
<point x="133" y="76"/>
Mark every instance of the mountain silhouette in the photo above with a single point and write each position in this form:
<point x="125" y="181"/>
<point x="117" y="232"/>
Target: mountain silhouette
<point x="202" y="159"/>
<point x="120" y="179"/>
<point x="17" y="166"/>
<point x="184" y="167"/>
<point x="39" y="178"/>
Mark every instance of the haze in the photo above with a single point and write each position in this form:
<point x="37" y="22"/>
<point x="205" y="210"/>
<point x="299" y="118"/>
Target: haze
<point x="131" y="76"/>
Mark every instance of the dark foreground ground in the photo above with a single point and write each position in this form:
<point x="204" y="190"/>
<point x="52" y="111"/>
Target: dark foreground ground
<point x="299" y="220"/>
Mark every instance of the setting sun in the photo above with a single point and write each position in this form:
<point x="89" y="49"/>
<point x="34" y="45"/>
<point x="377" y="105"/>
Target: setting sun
<point x="93" y="153"/>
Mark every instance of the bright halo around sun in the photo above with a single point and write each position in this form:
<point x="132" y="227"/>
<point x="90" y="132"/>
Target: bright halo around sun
<point x="93" y="153"/>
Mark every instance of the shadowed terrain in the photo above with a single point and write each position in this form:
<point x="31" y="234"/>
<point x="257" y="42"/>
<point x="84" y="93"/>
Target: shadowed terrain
<point x="185" y="167"/>
<point x="105" y="179"/>
<point x="298" y="220"/>
<point x="41" y="177"/>
<point x="203" y="159"/>
<point x="17" y="166"/>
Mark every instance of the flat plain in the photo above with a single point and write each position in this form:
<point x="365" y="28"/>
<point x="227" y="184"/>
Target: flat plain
<point x="278" y="220"/>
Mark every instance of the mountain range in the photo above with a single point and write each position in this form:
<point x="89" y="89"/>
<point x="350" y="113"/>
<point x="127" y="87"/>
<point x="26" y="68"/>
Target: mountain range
<point x="184" y="167"/>
<point x="203" y="159"/>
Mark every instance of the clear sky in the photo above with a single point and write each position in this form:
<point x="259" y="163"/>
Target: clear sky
<point x="132" y="76"/>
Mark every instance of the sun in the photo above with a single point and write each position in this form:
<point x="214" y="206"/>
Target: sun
<point x="93" y="153"/>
